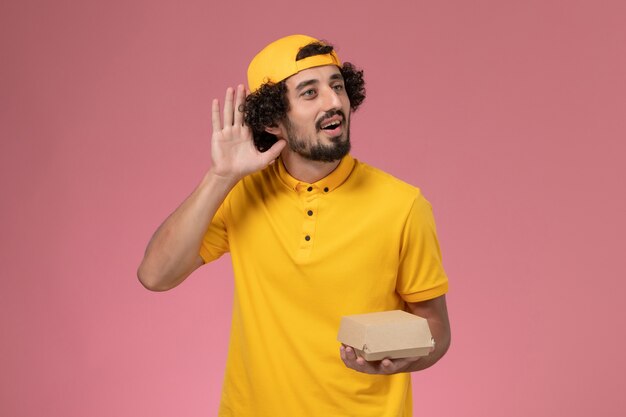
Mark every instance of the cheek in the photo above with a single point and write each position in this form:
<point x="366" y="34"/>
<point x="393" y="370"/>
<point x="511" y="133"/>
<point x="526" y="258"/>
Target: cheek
<point x="302" y="119"/>
<point x="346" y="101"/>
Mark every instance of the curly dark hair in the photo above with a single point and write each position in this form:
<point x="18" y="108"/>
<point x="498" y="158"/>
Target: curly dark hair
<point x="269" y="104"/>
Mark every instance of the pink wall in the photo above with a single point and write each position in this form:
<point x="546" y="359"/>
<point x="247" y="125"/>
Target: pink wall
<point x="510" y="115"/>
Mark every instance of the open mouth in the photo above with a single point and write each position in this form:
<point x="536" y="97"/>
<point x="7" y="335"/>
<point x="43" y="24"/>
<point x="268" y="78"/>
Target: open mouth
<point x="331" y="125"/>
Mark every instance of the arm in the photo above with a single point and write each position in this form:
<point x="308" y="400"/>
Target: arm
<point x="435" y="312"/>
<point x="172" y="253"/>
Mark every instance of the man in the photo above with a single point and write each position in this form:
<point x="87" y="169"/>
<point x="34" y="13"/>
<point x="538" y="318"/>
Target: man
<point x="313" y="234"/>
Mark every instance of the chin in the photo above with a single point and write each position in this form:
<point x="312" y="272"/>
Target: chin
<point x="330" y="153"/>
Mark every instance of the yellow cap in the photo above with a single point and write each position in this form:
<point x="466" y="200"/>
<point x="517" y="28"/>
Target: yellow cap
<point x="277" y="61"/>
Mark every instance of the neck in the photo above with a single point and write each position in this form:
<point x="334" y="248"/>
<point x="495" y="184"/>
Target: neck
<point x="306" y="170"/>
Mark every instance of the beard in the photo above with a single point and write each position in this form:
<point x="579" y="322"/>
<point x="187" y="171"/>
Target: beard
<point x="311" y="148"/>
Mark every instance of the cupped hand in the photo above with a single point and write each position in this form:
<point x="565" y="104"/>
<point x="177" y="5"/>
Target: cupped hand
<point x="233" y="154"/>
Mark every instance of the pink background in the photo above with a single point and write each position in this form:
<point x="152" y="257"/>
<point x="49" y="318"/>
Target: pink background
<point x="510" y="115"/>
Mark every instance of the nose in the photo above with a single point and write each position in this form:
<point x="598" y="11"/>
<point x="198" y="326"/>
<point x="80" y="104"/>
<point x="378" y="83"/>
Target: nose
<point x="331" y="100"/>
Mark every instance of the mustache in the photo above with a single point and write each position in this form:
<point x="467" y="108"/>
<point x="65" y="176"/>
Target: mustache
<point x="328" y="115"/>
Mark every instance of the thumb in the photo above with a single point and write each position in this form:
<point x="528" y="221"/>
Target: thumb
<point x="272" y="153"/>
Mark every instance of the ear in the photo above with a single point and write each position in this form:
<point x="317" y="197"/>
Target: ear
<point x="276" y="130"/>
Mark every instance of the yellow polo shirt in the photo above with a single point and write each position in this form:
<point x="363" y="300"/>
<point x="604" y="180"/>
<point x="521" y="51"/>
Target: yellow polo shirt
<point x="304" y="255"/>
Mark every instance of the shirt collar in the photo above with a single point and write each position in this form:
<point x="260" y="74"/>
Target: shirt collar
<point x="326" y="184"/>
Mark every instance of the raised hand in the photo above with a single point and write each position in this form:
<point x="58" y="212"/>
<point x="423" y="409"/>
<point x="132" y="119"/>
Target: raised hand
<point x="172" y="253"/>
<point x="233" y="153"/>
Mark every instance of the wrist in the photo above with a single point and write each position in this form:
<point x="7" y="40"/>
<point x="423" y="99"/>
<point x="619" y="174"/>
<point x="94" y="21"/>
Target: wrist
<point x="214" y="180"/>
<point x="216" y="175"/>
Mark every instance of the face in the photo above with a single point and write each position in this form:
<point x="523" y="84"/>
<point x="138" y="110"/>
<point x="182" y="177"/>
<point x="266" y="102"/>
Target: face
<point x="317" y="125"/>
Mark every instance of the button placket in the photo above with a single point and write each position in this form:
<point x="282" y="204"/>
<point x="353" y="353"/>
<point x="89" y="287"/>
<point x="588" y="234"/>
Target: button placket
<point x="310" y="202"/>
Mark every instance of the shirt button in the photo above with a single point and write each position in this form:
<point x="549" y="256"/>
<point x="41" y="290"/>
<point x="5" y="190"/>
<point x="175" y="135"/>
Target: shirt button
<point x="310" y="212"/>
<point x="307" y="238"/>
<point x="310" y="189"/>
<point x="325" y="189"/>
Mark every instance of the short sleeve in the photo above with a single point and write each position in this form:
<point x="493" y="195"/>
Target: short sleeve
<point x="215" y="241"/>
<point x="421" y="275"/>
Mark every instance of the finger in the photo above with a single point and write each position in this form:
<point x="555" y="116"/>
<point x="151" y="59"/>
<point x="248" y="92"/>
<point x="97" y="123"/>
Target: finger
<point x="228" y="107"/>
<point x="360" y="359"/>
<point x="239" y="100"/>
<point x="350" y="358"/>
<point x="215" y="115"/>
<point x="350" y="354"/>
<point x="272" y="153"/>
<point x="387" y="367"/>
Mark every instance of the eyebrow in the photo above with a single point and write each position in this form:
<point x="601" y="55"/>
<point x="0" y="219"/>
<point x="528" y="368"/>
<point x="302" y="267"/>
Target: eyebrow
<point x="307" y="83"/>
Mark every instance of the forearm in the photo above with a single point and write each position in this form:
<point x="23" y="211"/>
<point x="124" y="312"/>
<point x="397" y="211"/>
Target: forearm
<point x="440" y="331"/>
<point x="435" y="311"/>
<point x="172" y="253"/>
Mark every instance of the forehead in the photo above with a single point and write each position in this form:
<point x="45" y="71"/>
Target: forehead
<point x="319" y="74"/>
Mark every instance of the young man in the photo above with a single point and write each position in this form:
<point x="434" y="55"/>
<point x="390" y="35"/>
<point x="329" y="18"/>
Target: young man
<point x="313" y="234"/>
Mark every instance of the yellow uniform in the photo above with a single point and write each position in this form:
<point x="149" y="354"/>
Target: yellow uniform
<point x="304" y="255"/>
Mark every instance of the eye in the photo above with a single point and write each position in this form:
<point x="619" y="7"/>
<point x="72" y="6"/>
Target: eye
<point x="338" y="87"/>
<point x="308" y="93"/>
